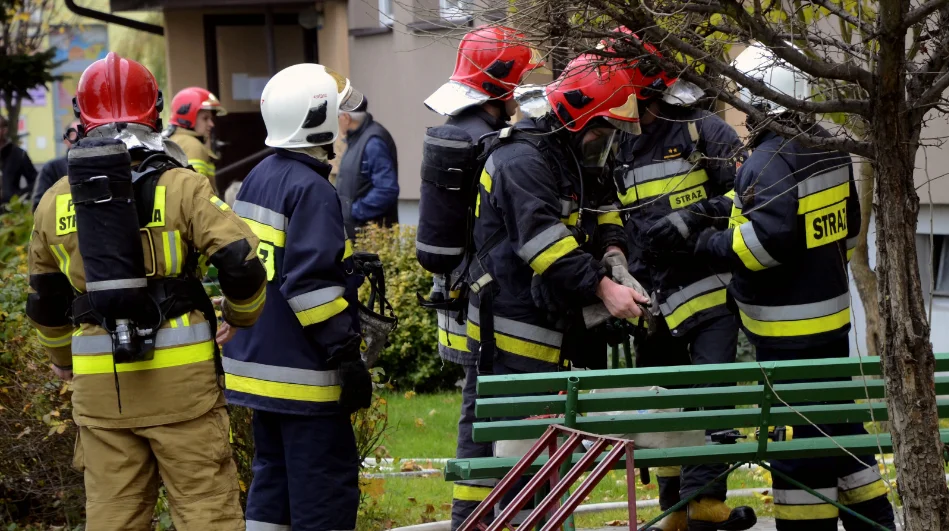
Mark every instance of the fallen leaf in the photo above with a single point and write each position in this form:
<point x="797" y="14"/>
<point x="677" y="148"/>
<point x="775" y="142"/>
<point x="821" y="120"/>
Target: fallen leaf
<point x="616" y="523"/>
<point x="412" y="500"/>
<point x="431" y="413"/>
<point x="24" y="433"/>
<point x="409" y="395"/>
<point x="429" y="508"/>
<point x="419" y="423"/>
<point x="446" y="506"/>
<point x="410" y="466"/>
<point x="374" y="488"/>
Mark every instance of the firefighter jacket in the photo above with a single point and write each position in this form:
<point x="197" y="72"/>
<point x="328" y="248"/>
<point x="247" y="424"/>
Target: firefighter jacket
<point x="683" y="157"/>
<point x="200" y="156"/>
<point x="452" y="345"/>
<point x="287" y="362"/>
<point x="795" y="223"/>
<point x="180" y="383"/>
<point x="529" y="192"/>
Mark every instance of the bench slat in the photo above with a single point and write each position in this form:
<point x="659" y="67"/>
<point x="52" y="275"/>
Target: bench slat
<point x="496" y="467"/>
<point x="539" y="383"/>
<point x="691" y="420"/>
<point x="685" y="398"/>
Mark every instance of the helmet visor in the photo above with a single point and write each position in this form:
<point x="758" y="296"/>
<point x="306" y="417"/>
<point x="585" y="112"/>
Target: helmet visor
<point x="626" y="116"/>
<point x="453" y="97"/>
<point x="351" y="100"/>
<point x="596" y="151"/>
<point x="624" y="126"/>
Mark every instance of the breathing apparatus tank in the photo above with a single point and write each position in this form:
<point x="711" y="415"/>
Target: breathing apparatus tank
<point x="107" y="227"/>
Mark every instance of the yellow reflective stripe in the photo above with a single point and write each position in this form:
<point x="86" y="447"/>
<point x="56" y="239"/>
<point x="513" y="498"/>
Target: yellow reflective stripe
<point x="204" y="168"/>
<point x="469" y="493"/>
<point x="486" y="181"/>
<point x="266" y="232"/>
<point x="849" y="254"/>
<point x="64" y="261"/>
<point x="174" y="254"/>
<point x="287" y="391"/>
<point x="694" y="306"/>
<point x="158" y="210"/>
<point x="54" y="342"/>
<point x="348" y="249"/>
<point x="478" y="206"/>
<point x="668" y="471"/>
<point x="741" y="249"/>
<point x="822" y="199"/>
<point x="216" y="201"/>
<point x="322" y="312"/>
<point x="820" y="511"/>
<point x="803" y="327"/>
<point x="571" y="220"/>
<point x="609" y="218"/>
<point x="730" y="194"/>
<point x="663" y="186"/>
<point x="517" y="346"/>
<point x="452" y="341"/>
<point x="249" y="306"/>
<point x="862" y="494"/>
<point x="164" y="358"/>
<point x="553" y="253"/>
<point x="735" y="218"/>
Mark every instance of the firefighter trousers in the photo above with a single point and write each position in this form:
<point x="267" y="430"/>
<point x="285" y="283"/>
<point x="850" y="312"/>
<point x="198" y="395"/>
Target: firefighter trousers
<point x="306" y="471"/>
<point x="468" y="494"/>
<point x="855" y="483"/>
<point x="123" y="468"/>
<point x="712" y="341"/>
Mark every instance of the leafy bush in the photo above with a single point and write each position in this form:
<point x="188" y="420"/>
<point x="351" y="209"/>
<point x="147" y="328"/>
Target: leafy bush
<point x="411" y="359"/>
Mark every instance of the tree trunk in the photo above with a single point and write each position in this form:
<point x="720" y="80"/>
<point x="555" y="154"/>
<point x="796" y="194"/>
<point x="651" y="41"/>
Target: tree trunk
<point x="907" y="353"/>
<point x="13" y="104"/>
<point x="863" y="276"/>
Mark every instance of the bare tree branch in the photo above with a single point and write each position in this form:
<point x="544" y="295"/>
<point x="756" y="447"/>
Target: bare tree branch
<point x="920" y="13"/>
<point x="838" y="10"/>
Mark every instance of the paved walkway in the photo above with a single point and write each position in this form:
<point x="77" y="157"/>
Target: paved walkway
<point x="763" y="525"/>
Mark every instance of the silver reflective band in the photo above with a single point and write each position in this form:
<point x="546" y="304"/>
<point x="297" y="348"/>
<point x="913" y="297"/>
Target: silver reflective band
<point x="802" y="497"/>
<point x="754" y="245"/>
<point x="659" y="170"/>
<point x="483" y="281"/>
<point x="737" y="201"/>
<point x="859" y="479"/>
<point x="545" y="239"/>
<point x="116" y="284"/>
<point x="253" y="525"/>
<point x="173" y="251"/>
<point x="679" y="223"/>
<point x="823" y="181"/>
<point x="434" y="249"/>
<point x="444" y="142"/>
<point x="260" y="214"/>
<point x="316" y="298"/>
<point x="517" y="329"/>
<point x="166" y="338"/>
<point x="447" y="321"/>
<point x="693" y="290"/>
<point x="797" y="312"/>
<point x="273" y="373"/>
<point x="567" y="206"/>
<point x="852" y="242"/>
<point x="98" y="151"/>
<point x="489" y="165"/>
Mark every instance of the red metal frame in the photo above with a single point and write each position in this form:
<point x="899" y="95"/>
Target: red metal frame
<point x="551" y="506"/>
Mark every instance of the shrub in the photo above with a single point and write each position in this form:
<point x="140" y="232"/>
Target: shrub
<point x="411" y="359"/>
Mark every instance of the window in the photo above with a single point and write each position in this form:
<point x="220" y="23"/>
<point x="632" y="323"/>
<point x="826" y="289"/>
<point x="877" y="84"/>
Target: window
<point x="458" y="11"/>
<point x="385" y="13"/>
<point x="939" y="257"/>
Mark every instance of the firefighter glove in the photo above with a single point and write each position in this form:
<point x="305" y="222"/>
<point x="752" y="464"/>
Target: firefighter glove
<point x="355" y="382"/>
<point x="701" y="243"/>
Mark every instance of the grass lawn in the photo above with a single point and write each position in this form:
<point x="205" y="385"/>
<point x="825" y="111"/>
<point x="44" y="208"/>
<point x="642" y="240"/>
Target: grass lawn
<point x="422" y="425"/>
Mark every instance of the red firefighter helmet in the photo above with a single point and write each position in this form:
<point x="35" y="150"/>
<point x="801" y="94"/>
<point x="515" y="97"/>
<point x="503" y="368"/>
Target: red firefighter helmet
<point x="590" y="88"/>
<point x="186" y="104"/>
<point x="492" y="61"/>
<point x="647" y="74"/>
<point x="117" y="90"/>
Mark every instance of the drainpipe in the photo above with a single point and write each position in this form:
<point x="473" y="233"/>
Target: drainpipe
<point x="114" y="19"/>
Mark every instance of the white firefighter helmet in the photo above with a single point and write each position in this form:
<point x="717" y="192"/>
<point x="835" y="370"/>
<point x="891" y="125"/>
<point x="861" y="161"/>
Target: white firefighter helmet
<point x="300" y="105"/>
<point x="759" y="62"/>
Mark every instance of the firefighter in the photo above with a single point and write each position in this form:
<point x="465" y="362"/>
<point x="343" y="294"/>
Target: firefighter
<point x="303" y="392"/>
<point x="478" y="99"/>
<point x="144" y="415"/>
<point x="794" y="222"/>
<point x="192" y="125"/>
<point x="543" y="253"/>
<point x="684" y="156"/>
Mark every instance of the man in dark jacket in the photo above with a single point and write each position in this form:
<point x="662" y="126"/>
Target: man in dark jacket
<point x="368" y="181"/>
<point x="15" y="167"/>
<point x="54" y="169"/>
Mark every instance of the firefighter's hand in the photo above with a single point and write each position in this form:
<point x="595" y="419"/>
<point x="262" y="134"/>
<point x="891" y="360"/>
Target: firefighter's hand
<point x="225" y="333"/>
<point x="621" y="301"/>
<point x="670" y="233"/>
<point x="63" y="374"/>
<point x="355" y="383"/>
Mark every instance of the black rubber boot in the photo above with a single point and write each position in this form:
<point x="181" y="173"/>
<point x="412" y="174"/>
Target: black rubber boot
<point x="709" y="514"/>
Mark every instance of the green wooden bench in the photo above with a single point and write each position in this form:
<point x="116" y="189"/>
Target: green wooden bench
<point x="757" y="406"/>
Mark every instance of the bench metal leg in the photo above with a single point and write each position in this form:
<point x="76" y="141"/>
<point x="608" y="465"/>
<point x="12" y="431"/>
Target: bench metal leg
<point x="813" y="492"/>
<point x="684" y="501"/>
